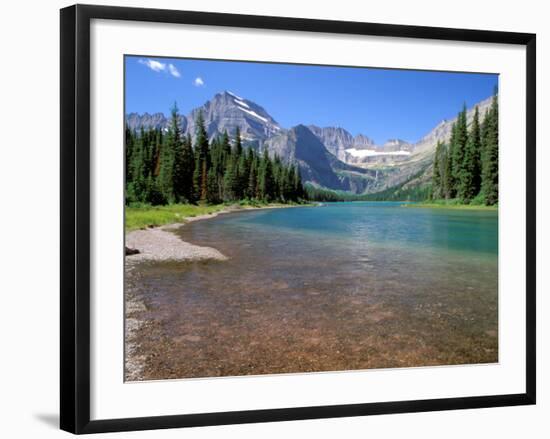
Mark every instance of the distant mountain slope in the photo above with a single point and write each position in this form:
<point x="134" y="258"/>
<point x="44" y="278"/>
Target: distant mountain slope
<point x="335" y="139"/>
<point x="136" y="121"/>
<point x="442" y="131"/>
<point x="360" y="149"/>
<point x="301" y="146"/>
<point x="419" y="167"/>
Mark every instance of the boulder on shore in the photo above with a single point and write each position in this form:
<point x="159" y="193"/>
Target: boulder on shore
<point x="131" y="251"/>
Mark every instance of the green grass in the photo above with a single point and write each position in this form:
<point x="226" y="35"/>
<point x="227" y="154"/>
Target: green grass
<point x="452" y="204"/>
<point x="141" y="216"/>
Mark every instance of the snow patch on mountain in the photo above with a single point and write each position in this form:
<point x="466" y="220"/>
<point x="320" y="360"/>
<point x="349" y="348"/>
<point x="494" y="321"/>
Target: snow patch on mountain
<point x="241" y="103"/>
<point x="252" y="113"/>
<point x="234" y="95"/>
<point x="372" y="153"/>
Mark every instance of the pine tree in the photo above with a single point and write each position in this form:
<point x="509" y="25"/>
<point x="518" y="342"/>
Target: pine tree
<point x="449" y="181"/>
<point x="225" y="146"/>
<point x="155" y="166"/>
<point x="217" y="167"/>
<point x="437" y="178"/>
<point x="180" y="167"/>
<point x="231" y="179"/>
<point x="166" y="170"/>
<point x="489" y="183"/>
<point x="266" y="182"/>
<point x="188" y="163"/>
<point x="287" y="186"/>
<point x="151" y="145"/>
<point x="137" y="188"/>
<point x="152" y="151"/>
<point x="202" y="160"/>
<point x="278" y="176"/>
<point x="243" y="174"/>
<point x="238" y="142"/>
<point x="469" y="183"/>
<point x="154" y="195"/>
<point x="129" y="142"/>
<point x="252" y="188"/>
<point x="299" y="191"/>
<point x="212" y="194"/>
<point x="458" y="147"/>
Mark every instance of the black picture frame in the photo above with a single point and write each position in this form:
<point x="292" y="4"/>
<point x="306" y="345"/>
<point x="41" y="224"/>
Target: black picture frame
<point x="75" y="217"/>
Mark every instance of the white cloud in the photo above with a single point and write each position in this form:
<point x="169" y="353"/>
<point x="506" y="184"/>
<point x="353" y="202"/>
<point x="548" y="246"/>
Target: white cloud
<point x="173" y="71"/>
<point x="156" y="66"/>
<point x="198" y="82"/>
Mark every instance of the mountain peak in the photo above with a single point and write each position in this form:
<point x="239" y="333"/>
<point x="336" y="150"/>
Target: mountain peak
<point x="362" y="141"/>
<point x="395" y="143"/>
<point x="226" y="111"/>
<point x="301" y="127"/>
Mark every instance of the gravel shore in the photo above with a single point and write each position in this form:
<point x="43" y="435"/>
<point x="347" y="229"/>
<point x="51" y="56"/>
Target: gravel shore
<point x="159" y="244"/>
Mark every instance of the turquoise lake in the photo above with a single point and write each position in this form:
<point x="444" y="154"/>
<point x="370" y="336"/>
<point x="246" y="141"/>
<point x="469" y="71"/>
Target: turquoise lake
<point x="342" y="286"/>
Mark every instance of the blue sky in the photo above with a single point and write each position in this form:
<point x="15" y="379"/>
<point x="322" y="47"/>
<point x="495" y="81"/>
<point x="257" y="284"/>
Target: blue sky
<point x="379" y="103"/>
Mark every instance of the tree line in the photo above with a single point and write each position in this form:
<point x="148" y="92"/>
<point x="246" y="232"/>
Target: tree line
<point x="467" y="167"/>
<point x="167" y="167"/>
<point x="401" y="193"/>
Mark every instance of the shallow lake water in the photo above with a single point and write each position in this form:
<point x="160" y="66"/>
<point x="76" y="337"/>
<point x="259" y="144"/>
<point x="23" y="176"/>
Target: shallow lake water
<point x="339" y="287"/>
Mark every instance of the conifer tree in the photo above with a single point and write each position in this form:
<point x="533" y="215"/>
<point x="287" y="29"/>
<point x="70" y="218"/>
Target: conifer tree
<point x="469" y="183"/>
<point x="299" y="192"/>
<point x="287" y="188"/>
<point x="155" y="165"/>
<point x="277" y="177"/>
<point x="217" y="168"/>
<point x="154" y="195"/>
<point x="188" y="163"/>
<point x="266" y="182"/>
<point x="458" y="147"/>
<point x="252" y="188"/>
<point x="437" y="178"/>
<point x="490" y="155"/>
<point x="243" y="171"/>
<point x="238" y="142"/>
<point x="449" y="181"/>
<point x="137" y="188"/>
<point x="212" y="195"/>
<point x="166" y="170"/>
<point x="180" y="167"/>
<point x="152" y="147"/>
<point x="231" y="179"/>
<point x="129" y="141"/>
<point x="202" y="160"/>
<point x="225" y="146"/>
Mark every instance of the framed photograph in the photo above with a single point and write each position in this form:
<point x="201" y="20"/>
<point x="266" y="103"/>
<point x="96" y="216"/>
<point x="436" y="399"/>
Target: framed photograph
<point x="273" y="218"/>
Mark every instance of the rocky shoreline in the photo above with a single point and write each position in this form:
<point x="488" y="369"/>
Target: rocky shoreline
<point x="160" y="244"/>
<point x="157" y="244"/>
